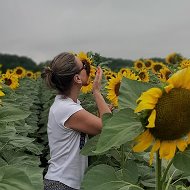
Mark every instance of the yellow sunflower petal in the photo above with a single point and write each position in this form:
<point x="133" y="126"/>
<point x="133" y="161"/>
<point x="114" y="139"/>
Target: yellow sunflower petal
<point x="181" y="144"/>
<point x="168" y="88"/>
<point x="1" y="93"/>
<point x="143" y="106"/>
<point x="153" y="93"/>
<point x="146" y="140"/>
<point x="188" y="138"/>
<point x="155" y="148"/>
<point x="151" y="119"/>
<point x="181" y="79"/>
<point x="167" y="149"/>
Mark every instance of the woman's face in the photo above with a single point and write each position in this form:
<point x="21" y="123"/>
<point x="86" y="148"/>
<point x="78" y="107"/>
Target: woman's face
<point x="83" y="73"/>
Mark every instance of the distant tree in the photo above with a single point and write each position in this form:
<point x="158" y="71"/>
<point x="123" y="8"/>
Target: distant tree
<point x="11" y="61"/>
<point x="42" y="65"/>
<point x="115" y="64"/>
<point x="158" y="59"/>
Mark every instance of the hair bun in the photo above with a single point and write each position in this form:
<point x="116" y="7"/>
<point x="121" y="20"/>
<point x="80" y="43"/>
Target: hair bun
<point x="46" y="72"/>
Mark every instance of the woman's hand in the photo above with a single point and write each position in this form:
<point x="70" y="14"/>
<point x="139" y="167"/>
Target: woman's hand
<point x="97" y="81"/>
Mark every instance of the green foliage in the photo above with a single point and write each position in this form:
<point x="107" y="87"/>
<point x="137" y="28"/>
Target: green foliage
<point x="120" y="128"/>
<point x="12" y="61"/>
<point x="19" y="147"/>
<point x="130" y="91"/>
<point x="103" y="177"/>
<point x="182" y="161"/>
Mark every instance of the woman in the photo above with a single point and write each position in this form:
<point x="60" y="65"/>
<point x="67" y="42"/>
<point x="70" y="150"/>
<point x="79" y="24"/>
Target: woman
<point x="68" y="122"/>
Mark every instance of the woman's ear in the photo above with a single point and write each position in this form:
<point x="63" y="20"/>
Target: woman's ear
<point x="77" y="79"/>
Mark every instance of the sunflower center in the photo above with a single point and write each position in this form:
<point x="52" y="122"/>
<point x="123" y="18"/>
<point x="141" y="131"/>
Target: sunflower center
<point x="8" y="81"/>
<point x="19" y="72"/>
<point x="148" y="64"/>
<point x="157" y="68"/>
<point x="167" y="75"/>
<point x="142" y="75"/>
<point x="172" y="115"/>
<point x="139" y="65"/>
<point x="117" y="86"/>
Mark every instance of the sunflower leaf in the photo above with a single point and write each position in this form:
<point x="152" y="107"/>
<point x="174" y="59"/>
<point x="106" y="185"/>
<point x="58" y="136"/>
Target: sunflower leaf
<point x="129" y="92"/>
<point x="122" y="127"/>
<point x="103" y="177"/>
<point x="181" y="161"/>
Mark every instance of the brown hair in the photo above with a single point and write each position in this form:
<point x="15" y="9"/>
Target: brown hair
<point x="59" y="74"/>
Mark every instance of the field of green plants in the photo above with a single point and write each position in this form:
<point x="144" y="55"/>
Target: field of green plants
<point x="144" y="143"/>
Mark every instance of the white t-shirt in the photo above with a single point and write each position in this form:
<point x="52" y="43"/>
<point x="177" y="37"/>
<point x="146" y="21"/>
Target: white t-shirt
<point x="67" y="165"/>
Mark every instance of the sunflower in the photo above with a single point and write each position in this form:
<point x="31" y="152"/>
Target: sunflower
<point x="108" y="76"/>
<point x="92" y="70"/>
<point x="113" y="86"/>
<point x="185" y="63"/>
<point x="148" y="63"/>
<point x="174" y="58"/>
<point x="164" y="74"/>
<point x="84" y="58"/>
<point x="37" y="74"/>
<point x="10" y="79"/>
<point x="1" y="93"/>
<point x="29" y="74"/>
<point x="157" y="66"/>
<point x="143" y="75"/>
<point x="167" y="130"/>
<point x="125" y="70"/>
<point x="87" y="88"/>
<point x="131" y="75"/>
<point x="19" y="71"/>
<point x="139" y="65"/>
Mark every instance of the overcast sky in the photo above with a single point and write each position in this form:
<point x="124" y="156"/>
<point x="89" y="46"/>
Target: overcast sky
<point x="132" y="29"/>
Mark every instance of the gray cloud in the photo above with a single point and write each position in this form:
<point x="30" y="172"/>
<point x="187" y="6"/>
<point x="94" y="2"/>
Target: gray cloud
<point x="129" y="29"/>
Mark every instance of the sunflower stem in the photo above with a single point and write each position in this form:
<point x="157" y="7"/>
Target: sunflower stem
<point x="158" y="172"/>
<point x="163" y="179"/>
<point x="122" y="157"/>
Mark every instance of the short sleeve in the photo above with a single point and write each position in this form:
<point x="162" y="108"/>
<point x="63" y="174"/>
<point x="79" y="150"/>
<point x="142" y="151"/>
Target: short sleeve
<point x="65" y="110"/>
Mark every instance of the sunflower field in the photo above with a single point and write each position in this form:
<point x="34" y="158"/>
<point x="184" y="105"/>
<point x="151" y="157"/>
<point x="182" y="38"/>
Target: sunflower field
<point x="144" y="143"/>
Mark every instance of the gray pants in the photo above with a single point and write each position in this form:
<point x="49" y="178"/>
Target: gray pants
<point x="55" y="185"/>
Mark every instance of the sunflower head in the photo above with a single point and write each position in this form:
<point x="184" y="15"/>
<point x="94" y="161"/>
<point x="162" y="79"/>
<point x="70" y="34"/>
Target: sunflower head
<point x="143" y="75"/>
<point x="185" y="63"/>
<point x="113" y="87"/>
<point x="148" y="63"/>
<point x="29" y="74"/>
<point x="157" y="66"/>
<point x="167" y="128"/>
<point x="139" y="65"/>
<point x="10" y="79"/>
<point x="164" y="74"/>
<point x="19" y="71"/>
<point x="174" y="58"/>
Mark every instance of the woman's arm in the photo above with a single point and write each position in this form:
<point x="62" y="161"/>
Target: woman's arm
<point x="83" y="120"/>
<point x="101" y="104"/>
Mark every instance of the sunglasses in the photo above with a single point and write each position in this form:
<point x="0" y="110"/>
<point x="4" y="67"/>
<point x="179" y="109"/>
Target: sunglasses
<point x="86" y="67"/>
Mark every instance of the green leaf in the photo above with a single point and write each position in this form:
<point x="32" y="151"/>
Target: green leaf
<point x="8" y="114"/>
<point x="20" y="159"/>
<point x="99" y="174"/>
<point x="6" y="132"/>
<point x="90" y="146"/>
<point x="182" y="161"/>
<point x="12" y="178"/>
<point x="131" y="172"/>
<point x="130" y="91"/>
<point x="103" y="177"/>
<point x="35" y="176"/>
<point x="122" y="127"/>
<point x="20" y="141"/>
